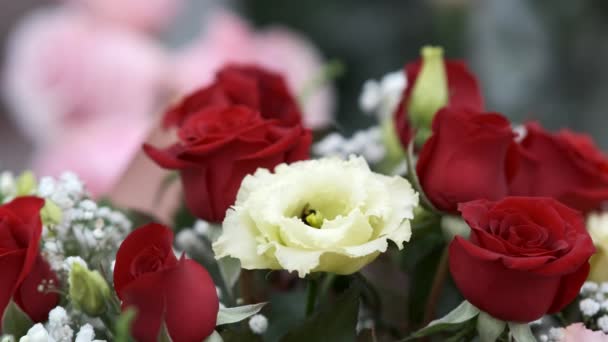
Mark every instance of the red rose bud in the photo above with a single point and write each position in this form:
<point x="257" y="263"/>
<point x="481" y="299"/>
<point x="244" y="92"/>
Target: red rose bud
<point x="247" y="85"/>
<point x="433" y="83"/>
<point x="23" y="269"/>
<point x="526" y="257"/>
<point x="466" y="158"/>
<point x="163" y="289"/>
<point x="566" y="166"/>
<point x="218" y="147"/>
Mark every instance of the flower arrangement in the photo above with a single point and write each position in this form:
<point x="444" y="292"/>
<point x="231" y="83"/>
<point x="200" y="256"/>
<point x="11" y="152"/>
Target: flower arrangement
<point x="479" y="227"/>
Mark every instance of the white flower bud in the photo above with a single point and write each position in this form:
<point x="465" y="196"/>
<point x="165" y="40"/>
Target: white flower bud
<point x="258" y="324"/>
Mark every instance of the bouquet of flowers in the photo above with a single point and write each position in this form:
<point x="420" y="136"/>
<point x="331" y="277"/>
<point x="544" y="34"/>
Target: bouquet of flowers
<point x="442" y="222"/>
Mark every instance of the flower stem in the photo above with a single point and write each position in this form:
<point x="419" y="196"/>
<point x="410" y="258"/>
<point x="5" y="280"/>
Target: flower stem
<point x="247" y="283"/>
<point x="311" y="299"/>
<point x="438" y="282"/>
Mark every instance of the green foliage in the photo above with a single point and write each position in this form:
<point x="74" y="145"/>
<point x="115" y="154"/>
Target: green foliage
<point x="336" y="322"/>
<point x="123" y="326"/>
<point x="14" y="321"/>
<point x="455" y="319"/>
<point x="237" y="314"/>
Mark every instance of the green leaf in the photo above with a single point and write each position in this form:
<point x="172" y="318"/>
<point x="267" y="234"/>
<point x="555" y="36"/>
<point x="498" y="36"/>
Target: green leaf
<point x="214" y="337"/>
<point x="464" y="312"/>
<point x="285" y="313"/>
<point x="123" y="326"/>
<point x="230" y="269"/>
<point x="237" y="314"/>
<point x="489" y="328"/>
<point x="14" y="321"/>
<point x="521" y="332"/>
<point x="335" y="322"/>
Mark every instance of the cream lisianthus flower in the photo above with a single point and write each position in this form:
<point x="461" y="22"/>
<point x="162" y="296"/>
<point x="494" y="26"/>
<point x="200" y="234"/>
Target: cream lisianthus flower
<point x="327" y="215"/>
<point x="597" y="225"/>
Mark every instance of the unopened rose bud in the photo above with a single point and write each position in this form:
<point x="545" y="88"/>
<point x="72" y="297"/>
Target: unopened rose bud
<point x="88" y="290"/>
<point x="430" y="91"/>
<point x="26" y="183"/>
<point x="51" y="214"/>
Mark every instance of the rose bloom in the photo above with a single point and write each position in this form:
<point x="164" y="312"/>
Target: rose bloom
<point x="145" y="15"/>
<point x="247" y="119"/>
<point x="326" y="215"/>
<point x="526" y="257"/>
<point x="23" y="269"/>
<point x="463" y="93"/>
<point x="246" y="85"/>
<point x="78" y="88"/>
<point x="566" y="165"/>
<point x="230" y="39"/>
<point x="466" y="158"/>
<point x="164" y="289"/>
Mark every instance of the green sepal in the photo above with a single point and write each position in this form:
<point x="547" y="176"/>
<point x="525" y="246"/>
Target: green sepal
<point x="521" y="332"/>
<point x="489" y="328"/>
<point x="15" y="321"/>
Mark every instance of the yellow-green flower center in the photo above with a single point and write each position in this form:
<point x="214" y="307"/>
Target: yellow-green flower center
<point x="312" y="217"/>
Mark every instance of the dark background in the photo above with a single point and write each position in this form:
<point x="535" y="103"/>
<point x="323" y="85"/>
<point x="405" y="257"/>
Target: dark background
<point x="540" y="59"/>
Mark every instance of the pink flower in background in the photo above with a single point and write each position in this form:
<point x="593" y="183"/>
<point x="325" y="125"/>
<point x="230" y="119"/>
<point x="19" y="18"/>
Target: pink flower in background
<point x="99" y="156"/>
<point x="230" y="39"/>
<point x="578" y="333"/>
<point x="75" y="83"/>
<point x="145" y="15"/>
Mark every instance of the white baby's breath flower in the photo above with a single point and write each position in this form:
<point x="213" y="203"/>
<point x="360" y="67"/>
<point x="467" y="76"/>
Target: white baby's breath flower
<point x="556" y="334"/>
<point x="69" y="261"/>
<point x="59" y="325"/>
<point x="258" y="324"/>
<point x="602" y="323"/>
<point x="382" y="98"/>
<point x="326" y="215"/>
<point x="58" y="316"/>
<point x="367" y="143"/>
<point x="85" y="334"/>
<point x="589" y="307"/>
<point x="37" y="333"/>
<point x="588" y="288"/>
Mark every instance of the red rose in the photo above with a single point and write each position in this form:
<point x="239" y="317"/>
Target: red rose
<point x="463" y="92"/>
<point x="218" y="147"/>
<point x="180" y="292"/>
<point x="23" y="269"/>
<point x="526" y="257"/>
<point x="566" y="166"/>
<point x="250" y="86"/>
<point x="465" y="158"/>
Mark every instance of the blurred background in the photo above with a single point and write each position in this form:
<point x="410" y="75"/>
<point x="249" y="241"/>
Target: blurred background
<point x="88" y="78"/>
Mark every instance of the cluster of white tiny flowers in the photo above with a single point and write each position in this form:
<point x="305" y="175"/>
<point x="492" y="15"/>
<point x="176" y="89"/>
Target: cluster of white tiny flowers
<point x="38" y="333"/>
<point x="366" y="143"/>
<point x="382" y="97"/>
<point x="554" y="335"/>
<point x="196" y="240"/>
<point x="594" y="305"/>
<point x="95" y="231"/>
<point x="58" y="326"/>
